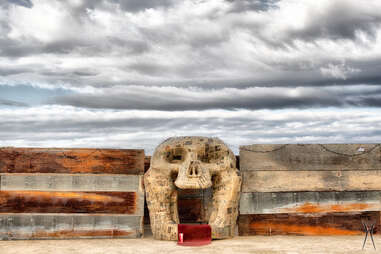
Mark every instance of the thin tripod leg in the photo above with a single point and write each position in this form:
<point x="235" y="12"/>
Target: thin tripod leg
<point x="366" y="232"/>
<point x="366" y="236"/>
<point x="364" y="225"/>
<point x="371" y="236"/>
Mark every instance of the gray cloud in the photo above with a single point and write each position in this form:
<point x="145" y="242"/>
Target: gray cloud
<point x="6" y="102"/>
<point x="252" y="5"/>
<point x="25" y="3"/>
<point x="180" y="99"/>
<point x="332" y="21"/>
<point x="140" y="5"/>
<point x="125" y="5"/>
<point x="341" y="20"/>
<point x="84" y="47"/>
<point x="12" y="48"/>
<point x="7" y="71"/>
<point x="63" y="126"/>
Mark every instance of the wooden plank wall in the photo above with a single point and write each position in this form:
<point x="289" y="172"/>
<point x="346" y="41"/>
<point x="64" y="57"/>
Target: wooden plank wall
<point x="71" y="193"/>
<point x="309" y="189"/>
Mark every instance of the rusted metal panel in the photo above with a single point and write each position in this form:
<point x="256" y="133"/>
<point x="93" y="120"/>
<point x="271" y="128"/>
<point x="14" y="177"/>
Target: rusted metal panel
<point x="291" y="181"/>
<point x="309" y="202"/>
<point x="310" y="157"/>
<point x="62" y="226"/>
<point x="70" y="182"/>
<point x="292" y="224"/>
<point x="61" y="160"/>
<point x="69" y="202"/>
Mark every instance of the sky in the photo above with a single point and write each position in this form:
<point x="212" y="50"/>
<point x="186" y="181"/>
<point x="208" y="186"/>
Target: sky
<point x="131" y="73"/>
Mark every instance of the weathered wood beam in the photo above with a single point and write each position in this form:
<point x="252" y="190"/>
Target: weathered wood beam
<point x="309" y="202"/>
<point x="70" y="202"/>
<point x="62" y="226"/>
<point x="291" y="181"/>
<point x="71" y="182"/>
<point x="292" y="224"/>
<point x="310" y="157"/>
<point x="61" y="160"/>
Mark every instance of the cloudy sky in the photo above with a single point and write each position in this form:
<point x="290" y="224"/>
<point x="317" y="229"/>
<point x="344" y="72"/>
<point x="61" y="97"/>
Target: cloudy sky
<point x="130" y="73"/>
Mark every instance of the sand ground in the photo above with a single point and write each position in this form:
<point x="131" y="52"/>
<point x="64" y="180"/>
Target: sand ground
<point x="250" y="244"/>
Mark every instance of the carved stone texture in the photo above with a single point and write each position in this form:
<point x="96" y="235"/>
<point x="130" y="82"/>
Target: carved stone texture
<point x="192" y="163"/>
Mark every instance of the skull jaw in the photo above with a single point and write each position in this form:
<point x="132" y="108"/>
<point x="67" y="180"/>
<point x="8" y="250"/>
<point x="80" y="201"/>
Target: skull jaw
<point x="193" y="183"/>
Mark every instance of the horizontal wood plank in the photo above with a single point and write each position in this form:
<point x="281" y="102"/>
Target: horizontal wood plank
<point x="70" y="182"/>
<point x="72" y="161"/>
<point x="292" y="224"/>
<point x="291" y="181"/>
<point x="310" y="157"/>
<point x="64" y="226"/>
<point x="309" y="202"/>
<point x="71" y="202"/>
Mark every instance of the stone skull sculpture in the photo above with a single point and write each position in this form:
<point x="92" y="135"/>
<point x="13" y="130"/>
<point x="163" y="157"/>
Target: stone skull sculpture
<point x="192" y="163"/>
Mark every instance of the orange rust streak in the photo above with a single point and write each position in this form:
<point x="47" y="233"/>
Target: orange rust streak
<point x="86" y="157"/>
<point x="57" y="160"/>
<point x="267" y="227"/>
<point x="63" y="195"/>
<point x="316" y="208"/>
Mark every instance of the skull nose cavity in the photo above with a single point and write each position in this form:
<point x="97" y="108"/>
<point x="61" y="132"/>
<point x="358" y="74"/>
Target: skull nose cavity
<point x="194" y="169"/>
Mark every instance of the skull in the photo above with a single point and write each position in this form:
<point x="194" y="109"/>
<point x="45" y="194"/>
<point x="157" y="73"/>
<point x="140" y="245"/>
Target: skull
<point x="192" y="163"/>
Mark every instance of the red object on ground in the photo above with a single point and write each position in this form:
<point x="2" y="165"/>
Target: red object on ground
<point x="194" y="235"/>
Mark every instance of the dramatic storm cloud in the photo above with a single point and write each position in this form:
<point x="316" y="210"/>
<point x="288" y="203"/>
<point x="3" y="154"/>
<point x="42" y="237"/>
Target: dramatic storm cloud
<point x="113" y="73"/>
<point x="181" y="99"/>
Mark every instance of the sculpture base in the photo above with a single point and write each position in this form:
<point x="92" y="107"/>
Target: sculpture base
<point x="194" y="235"/>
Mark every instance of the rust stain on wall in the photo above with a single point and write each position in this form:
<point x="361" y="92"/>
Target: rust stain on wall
<point x="67" y="202"/>
<point x="326" y="208"/>
<point x="268" y="228"/>
<point x="314" y="224"/>
<point x="54" y="160"/>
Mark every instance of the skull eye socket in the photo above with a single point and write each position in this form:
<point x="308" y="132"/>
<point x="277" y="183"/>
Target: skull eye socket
<point x="175" y="155"/>
<point x="205" y="158"/>
<point x="210" y="157"/>
<point x="211" y="154"/>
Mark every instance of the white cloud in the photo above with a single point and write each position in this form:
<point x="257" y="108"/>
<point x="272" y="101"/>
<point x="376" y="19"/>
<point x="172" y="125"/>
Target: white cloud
<point x="338" y="71"/>
<point x="71" y="127"/>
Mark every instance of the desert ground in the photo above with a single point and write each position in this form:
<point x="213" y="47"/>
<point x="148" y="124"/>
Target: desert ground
<point x="249" y="244"/>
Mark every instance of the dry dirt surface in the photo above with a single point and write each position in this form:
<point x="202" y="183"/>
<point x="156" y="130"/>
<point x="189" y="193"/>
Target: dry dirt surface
<point x="251" y="244"/>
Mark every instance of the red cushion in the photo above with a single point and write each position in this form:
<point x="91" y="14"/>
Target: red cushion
<point x="194" y="235"/>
